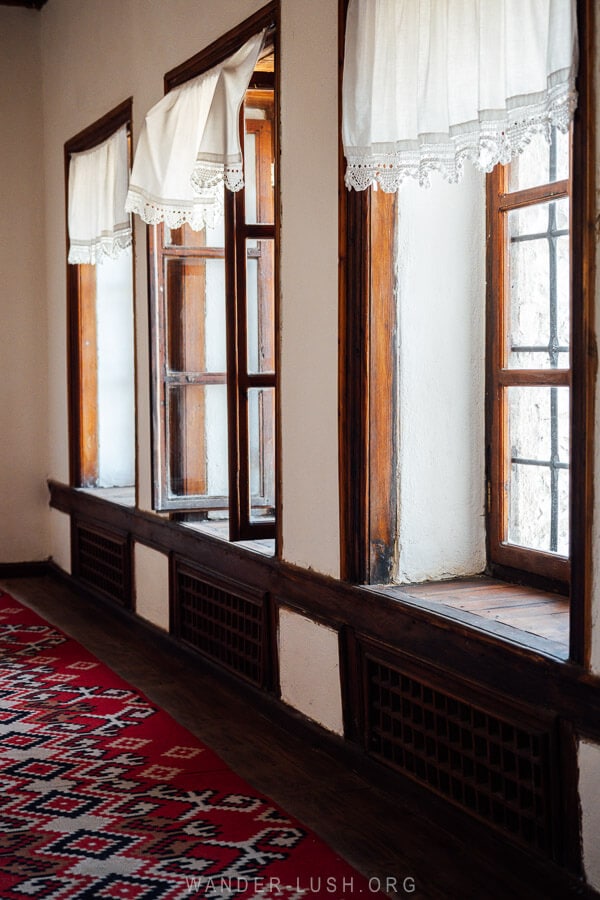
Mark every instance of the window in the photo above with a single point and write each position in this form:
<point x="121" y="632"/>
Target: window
<point x="214" y="318"/>
<point x="554" y="381"/>
<point x="529" y="359"/>
<point x="101" y="335"/>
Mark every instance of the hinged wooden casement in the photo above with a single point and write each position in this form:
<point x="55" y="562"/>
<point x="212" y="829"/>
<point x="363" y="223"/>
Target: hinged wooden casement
<point x="243" y="388"/>
<point x="504" y="377"/>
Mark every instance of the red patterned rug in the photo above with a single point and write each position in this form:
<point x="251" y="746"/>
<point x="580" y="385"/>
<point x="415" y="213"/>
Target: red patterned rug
<point x="105" y="796"/>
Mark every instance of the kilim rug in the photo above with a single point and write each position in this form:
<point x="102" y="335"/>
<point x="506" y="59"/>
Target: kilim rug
<point x="105" y="796"/>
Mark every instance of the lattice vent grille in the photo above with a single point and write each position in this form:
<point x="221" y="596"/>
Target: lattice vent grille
<point x="227" y="627"/>
<point x="103" y="561"/>
<point x="493" y="768"/>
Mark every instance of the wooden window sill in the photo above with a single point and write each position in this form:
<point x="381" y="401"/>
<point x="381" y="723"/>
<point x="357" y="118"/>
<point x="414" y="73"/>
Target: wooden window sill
<point x="535" y="619"/>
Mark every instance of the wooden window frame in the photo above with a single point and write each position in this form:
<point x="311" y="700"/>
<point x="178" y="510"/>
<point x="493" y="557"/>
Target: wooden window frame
<point x="239" y="381"/>
<point x="505" y="559"/>
<point x="368" y="445"/>
<point x="82" y="359"/>
<point x="161" y="253"/>
<point x="367" y="325"/>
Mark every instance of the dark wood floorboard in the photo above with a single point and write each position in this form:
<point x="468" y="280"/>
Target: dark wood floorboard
<point x="402" y="833"/>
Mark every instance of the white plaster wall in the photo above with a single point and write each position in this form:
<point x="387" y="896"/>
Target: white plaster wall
<point x="589" y="791"/>
<point x="151" y="585"/>
<point x="441" y="288"/>
<point x="60" y="543"/>
<point x="309" y="669"/>
<point x="309" y="308"/>
<point x="24" y="523"/>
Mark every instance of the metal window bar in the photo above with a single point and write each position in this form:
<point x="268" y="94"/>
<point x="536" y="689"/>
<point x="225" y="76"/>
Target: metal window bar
<point x="553" y="348"/>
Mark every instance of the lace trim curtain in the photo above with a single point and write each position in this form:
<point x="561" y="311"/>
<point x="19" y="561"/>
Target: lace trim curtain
<point x="430" y="83"/>
<point x="190" y="145"/>
<point x="98" y="225"/>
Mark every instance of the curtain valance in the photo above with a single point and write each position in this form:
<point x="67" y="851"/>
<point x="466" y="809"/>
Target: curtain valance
<point x="97" y="222"/>
<point x="430" y="83"/>
<point x="190" y="146"/>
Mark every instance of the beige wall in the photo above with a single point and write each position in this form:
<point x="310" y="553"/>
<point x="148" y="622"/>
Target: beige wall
<point x="151" y="585"/>
<point x="24" y="516"/>
<point x="309" y="307"/>
<point x="589" y="790"/>
<point x="309" y="669"/>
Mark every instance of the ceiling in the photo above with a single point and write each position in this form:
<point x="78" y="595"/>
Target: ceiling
<point x="30" y="4"/>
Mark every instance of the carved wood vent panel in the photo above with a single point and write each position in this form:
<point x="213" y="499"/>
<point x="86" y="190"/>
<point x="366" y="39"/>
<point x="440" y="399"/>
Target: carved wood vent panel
<point x="221" y="620"/>
<point x="102" y="560"/>
<point x="494" y="768"/>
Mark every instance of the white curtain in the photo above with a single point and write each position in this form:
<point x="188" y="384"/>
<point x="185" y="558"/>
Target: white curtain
<point x="430" y="83"/>
<point x="190" y="146"/>
<point x="98" y="178"/>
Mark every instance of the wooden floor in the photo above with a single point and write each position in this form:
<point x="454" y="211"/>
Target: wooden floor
<point x="425" y="848"/>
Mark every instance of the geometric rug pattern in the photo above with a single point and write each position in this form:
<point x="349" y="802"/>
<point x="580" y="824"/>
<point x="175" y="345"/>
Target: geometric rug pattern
<point x="104" y="796"/>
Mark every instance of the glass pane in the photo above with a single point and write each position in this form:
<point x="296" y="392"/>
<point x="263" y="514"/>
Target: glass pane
<point x="539" y="291"/>
<point x="261" y="429"/>
<point x="259" y="165"/>
<point x="213" y="237"/>
<point x="250" y="178"/>
<point x="115" y="405"/>
<point x="260" y="305"/>
<point x="541" y="162"/>
<point x="563" y="506"/>
<point x="195" y="298"/>
<point x="197" y="438"/>
<point x="538" y="488"/>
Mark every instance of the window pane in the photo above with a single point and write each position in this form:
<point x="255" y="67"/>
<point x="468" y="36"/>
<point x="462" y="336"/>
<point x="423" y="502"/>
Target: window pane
<point x="197" y="422"/>
<point x="116" y="382"/>
<point x="250" y="178"/>
<point x="195" y="315"/>
<point x="541" y="162"/>
<point x="186" y="237"/>
<point x="538" y="489"/>
<point x="261" y="429"/>
<point x="259" y="167"/>
<point x="539" y="307"/>
<point x="260" y="305"/>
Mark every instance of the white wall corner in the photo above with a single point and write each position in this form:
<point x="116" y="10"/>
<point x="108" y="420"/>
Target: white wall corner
<point x="589" y="796"/>
<point x="151" y="585"/>
<point x="309" y="669"/>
